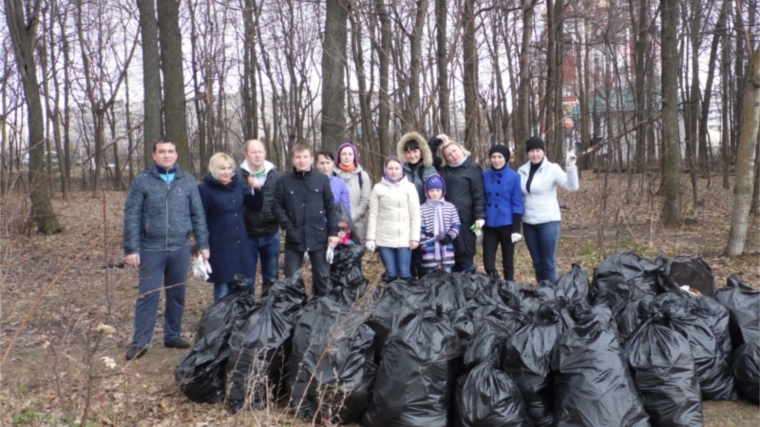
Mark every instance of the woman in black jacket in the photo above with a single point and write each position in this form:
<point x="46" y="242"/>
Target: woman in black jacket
<point x="464" y="188"/>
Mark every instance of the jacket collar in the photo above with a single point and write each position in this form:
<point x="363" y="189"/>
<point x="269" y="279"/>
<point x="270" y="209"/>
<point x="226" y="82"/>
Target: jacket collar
<point x="176" y="170"/>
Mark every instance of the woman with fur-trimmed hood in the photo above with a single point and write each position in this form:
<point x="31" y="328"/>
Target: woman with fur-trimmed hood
<point x="415" y="152"/>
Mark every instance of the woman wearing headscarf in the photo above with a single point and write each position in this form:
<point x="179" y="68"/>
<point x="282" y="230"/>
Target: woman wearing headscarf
<point x="394" y="221"/>
<point x="464" y="184"/>
<point x="539" y="179"/>
<point x="359" y="186"/>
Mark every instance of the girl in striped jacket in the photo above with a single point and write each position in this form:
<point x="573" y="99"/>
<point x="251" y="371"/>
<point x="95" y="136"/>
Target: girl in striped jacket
<point x="440" y="226"/>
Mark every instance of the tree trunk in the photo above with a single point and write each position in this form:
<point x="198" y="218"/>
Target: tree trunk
<point x="333" y="71"/>
<point x="151" y="78"/>
<point x="470" y="76"/>
<point x="22" y="33"/>
<point x="441" y="13"/>
<point x="671" y="165"/>
<point x="384" y="107"/>
<point x="174" y="80"/>
<point x="522" y="112"/>
<point x="415" y="66"/>
<point x="745" y="159"/>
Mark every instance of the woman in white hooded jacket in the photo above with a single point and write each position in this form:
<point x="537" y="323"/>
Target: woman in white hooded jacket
<point x="394" y="220"/>
<point x="539" y="179"/>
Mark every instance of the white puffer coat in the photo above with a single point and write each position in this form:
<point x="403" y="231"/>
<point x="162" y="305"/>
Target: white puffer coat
<point x="394" y="214"/>
<point x="541" y="204"/>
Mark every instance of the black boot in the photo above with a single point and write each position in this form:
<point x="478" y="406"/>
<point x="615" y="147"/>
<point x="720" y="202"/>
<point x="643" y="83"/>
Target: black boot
<point x="385" y="278"/>
<point x="494" y="275"/>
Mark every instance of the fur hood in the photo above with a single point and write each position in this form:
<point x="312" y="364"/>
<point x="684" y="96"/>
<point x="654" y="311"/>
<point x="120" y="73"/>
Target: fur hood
<point x="425" y="153"/>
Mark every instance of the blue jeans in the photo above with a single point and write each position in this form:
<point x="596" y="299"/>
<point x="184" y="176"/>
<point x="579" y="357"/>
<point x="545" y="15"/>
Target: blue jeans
<point x="268" y="249"/>
<point x="397" y="261"/>
<point x="157" y="268"/>
<point x="542" y="241"/>
<point x="222" y="289"/>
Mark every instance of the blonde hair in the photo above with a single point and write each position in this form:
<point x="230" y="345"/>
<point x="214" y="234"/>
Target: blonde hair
<point x="465" y="151"/>
<point x="217" y="161"/>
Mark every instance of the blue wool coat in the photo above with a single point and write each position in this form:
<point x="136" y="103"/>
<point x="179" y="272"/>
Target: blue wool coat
<point x="228" y="240"/>
<point x="503" y="196"/>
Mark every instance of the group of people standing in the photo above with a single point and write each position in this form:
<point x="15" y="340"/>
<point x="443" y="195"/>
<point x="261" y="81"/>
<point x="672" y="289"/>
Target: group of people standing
<point x="426" y="213"/>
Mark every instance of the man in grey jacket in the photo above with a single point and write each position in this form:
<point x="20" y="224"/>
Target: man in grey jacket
<point x="163" y="207"/>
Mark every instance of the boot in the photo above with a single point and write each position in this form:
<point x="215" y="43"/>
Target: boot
<point x="494" y="275"/>
<point x="385" y="278"/>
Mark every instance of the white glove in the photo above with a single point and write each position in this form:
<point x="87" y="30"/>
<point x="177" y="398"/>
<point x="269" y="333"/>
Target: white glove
<point x="516" y="237"/>
<point x="570" y="157"/>
<point x="370" y="245"/>
<point x="479" y="224"/>
<point x="478" y="233"/>
<point x="201" y="268"/>
<point x="330" y="254"/>
<point x="305" y="256"/>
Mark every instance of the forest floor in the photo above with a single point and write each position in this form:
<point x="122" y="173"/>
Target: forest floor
<point x="52" y="368"/>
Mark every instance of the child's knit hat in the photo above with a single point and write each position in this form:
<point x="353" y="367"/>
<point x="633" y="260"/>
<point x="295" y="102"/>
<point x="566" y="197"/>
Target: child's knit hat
<point x="433" y="182"/>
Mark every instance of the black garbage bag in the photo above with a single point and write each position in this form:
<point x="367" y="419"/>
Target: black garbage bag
<point x="711" y="360"/>
<point x="527" y="360"/>
<point x="201" y="373"/>
<point x="442" y="292"/>
<point x="334" y="377"/>
<point x="627" y="274"/>
<point x="743" y="303"/>
<point x="289" y="294"/>
<point x="345" y="273"/>
<point x="416" y="377"/>
<point x="746" y="370"/>
<point x="487" y="397"/>
<point x="389" y="300"/>
<point x="663" y="372"/>
<point x="692" y="271"/>
<point x="258" y="351"/>
<point x="592" y="384"/>
<point x="629" y="317"/>
<point x="492" y="326"/>
<point x="534" y="298"/>
<point x="573" y="285"/>
<point x="471" y="285"/>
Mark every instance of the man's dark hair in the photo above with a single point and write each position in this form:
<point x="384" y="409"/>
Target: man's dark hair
<point x="301" y="146"/>
<point x="164" y="140"/>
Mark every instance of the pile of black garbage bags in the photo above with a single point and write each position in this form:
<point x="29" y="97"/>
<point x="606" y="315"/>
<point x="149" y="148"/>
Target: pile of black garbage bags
<point x="643" y="343"/>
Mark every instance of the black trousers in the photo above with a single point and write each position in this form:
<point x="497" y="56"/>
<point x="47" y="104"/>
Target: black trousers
<point x="492" y="237"/>
<point x="320" y="269"/>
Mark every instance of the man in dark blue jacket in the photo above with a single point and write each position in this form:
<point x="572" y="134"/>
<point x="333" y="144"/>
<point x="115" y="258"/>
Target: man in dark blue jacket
<point x="305" y="209"/>
<point x="163" y="208"/>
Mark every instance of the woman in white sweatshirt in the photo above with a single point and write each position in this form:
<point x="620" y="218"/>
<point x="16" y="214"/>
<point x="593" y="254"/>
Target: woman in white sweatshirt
<point x="394" y="220"/>
<point x="539" y="179"/>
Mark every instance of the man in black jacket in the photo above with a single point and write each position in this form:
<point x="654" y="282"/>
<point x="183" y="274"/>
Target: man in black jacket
<point x="259" y="178"/>
<point x="304" y="207"/>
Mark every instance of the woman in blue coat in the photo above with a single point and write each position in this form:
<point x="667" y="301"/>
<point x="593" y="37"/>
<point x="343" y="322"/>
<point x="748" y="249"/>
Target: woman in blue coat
<point x="504" y="211"/>
<point x="222" y="197"/>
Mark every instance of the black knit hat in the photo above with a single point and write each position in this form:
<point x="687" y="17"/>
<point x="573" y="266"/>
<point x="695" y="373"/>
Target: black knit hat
<point x="535" y="142"/>
<point x="501" y="149"/>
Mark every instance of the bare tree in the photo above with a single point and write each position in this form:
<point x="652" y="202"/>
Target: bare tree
<point x="333" y="72"/>
<point x="23" y="30"/>
<point x="170" y="39"/>
<point x="151" y="78"/>
<point x="671" y="165"/>
<point x="745" y="162"/>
